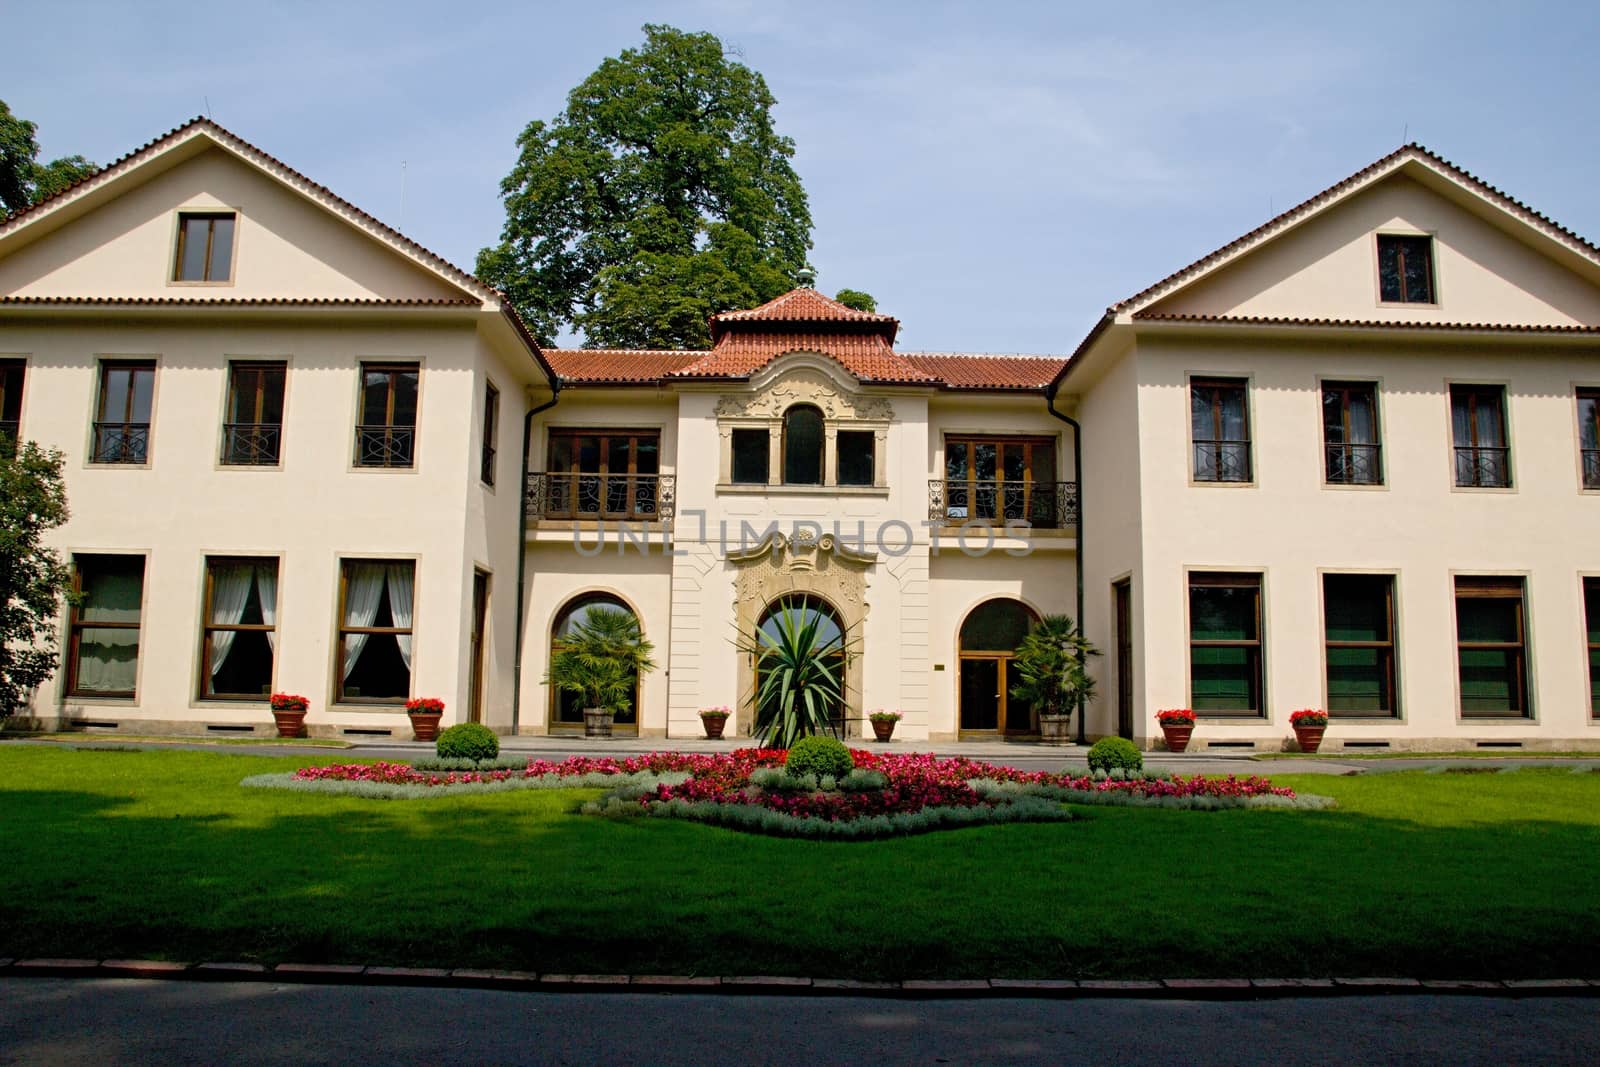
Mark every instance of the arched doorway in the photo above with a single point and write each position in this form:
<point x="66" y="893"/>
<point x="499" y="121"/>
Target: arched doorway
<point x="566" y="709"/>
<point x="801" y="609"/>
<point x="989" y="639"/>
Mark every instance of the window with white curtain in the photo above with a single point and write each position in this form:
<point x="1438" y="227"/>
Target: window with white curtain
<point x="239" y="628"/>
<point x="103" y="647"/>
<point x="375" y="611"/>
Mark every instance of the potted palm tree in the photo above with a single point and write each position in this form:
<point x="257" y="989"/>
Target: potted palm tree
<point x="599" y="659"/>
<point x="800" y="670"/>
<point x="1052" y="675"/>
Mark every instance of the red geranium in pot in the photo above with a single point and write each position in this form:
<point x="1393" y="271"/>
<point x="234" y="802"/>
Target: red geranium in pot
<point x="1309" y="725"/>
<point x="1177" y="726"/>
<point x="425" y="714"/>
<point x="289" y="712"/>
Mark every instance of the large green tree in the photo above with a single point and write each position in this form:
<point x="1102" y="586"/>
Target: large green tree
<point x="23" y="179"/>
<point x="661" y="195"/>
<point x="32" y="577"/>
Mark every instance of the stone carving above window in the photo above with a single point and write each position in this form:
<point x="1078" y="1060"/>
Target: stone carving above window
<point x="802" y="386"/>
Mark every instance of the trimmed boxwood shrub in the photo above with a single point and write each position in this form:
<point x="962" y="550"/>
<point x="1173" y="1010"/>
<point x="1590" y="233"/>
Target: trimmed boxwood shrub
<point x="819" y="756"/>
<point x="1115" y="753"/>
<point x="467" y="740"/>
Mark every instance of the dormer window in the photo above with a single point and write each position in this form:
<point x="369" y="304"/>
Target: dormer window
<point x="1405" y="269"/>
<point x="802" y="445"/>
<point x="205" y="247"/>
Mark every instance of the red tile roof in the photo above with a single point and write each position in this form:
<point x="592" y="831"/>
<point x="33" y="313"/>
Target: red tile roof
<point x="802" y="305"/>
<point x="1366" y="324"/>
<point x="867" y="356"/>
<point x="963" y="371"/>
<point x="617" y="366"/>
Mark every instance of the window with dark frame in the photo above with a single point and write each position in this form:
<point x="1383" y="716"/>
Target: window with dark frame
<point x="491" y="431"/>
<point x="802" y="445"/>
<point x="1358" y="645"/>
<point x="122" y="421"/>
<point x="103" y="628"/>
<point x="205" y="247"/>
<point x="13" y="373"/>
<point x="855" y="448"/>
<point x="387" y="433"/>
<point x="252" y="435"/>
<point x="604" y="473"/>
<point x="238" y="632"/>
<point x="566" y="708"/>
<point x="376" y="600"/>
<point x="1003" y="479"/>
<point x="1591" y="614"/>
<point x="1225" y="645"/>
<point x="1350" y="443"/>
<point x="1478" y="427"/>
<point x="1589" y="436"/>
<point x="752" y="457"/>
<point x="1220" y="423"/>
<point x="1492" y="647"/>
<point x="1405" y="269"/>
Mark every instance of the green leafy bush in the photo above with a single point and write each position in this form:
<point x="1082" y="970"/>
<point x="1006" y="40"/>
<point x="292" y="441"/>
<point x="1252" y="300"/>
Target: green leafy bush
<point x="1115" y="753"/>
<point x="468" y="740"/>
<point x="819" y="756"/>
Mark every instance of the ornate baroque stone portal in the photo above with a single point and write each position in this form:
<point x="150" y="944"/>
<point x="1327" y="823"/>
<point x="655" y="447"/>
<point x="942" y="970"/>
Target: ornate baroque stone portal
<point x="821" y="567"/>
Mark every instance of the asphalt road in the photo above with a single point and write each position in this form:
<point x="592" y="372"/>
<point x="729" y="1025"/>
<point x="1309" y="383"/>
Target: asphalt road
<point x="99" y="1021"/>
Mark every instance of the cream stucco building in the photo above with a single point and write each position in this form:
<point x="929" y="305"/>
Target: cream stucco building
<point x="1351" y="461"/>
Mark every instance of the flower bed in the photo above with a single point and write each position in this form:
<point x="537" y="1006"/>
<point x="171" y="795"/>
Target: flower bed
<point x="902" y="794"/>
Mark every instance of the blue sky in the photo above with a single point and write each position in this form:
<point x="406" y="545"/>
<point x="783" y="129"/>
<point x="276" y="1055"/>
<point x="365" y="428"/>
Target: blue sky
<point x="995" y="174"/>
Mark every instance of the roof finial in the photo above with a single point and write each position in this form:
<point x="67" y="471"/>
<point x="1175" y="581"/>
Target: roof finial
<point x="806" y="276"/>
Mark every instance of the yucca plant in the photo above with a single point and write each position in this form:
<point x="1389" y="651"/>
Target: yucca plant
<point x="1052" y="666"/>
<point x="600" y="657"/>
<point x="801" y="674"/>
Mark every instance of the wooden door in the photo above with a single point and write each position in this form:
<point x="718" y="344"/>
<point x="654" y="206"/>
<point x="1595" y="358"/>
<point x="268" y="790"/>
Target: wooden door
<point x="480" y="619"/>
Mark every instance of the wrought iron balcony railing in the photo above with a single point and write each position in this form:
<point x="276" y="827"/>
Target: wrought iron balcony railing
<point x="9" y="431"/>
<point x="385" y="446"/>
<point x="1483" y="466"/>
<point x="1354" y="465"/>
<point x="1591" y="468"/>
<point x="576" y="495"/>
<point x="121" y="442"/>
<point x="1222" y="461"/>
<point x="1046" y="505"/>
<point x="250" y="444"/>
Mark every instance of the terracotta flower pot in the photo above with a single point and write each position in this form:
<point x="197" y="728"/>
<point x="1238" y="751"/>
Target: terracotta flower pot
<point x="597" y="722"/>
<point x="425" y="725"/>
<point x="1177" y="737"/>
<point x="1309" y="738"/>
<point x="882" y="729"/>
<point x="290" y="723"/>
<point x="714" y="725"/>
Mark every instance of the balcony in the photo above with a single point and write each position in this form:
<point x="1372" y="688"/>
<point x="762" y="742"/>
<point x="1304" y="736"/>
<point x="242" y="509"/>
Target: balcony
<point x="250" y="444"/>
<point x="1354" y="465"/>
<point x="619" y="497"/>
<point x="121" y="442"/>
<point x="1591" y="468"/>
<point x="1042" y="505"/>
<point x="385" y="446"/>
<point x="1483" y="467"/>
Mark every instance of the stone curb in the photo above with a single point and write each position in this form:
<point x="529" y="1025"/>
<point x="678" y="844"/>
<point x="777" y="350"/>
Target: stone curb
<point x="768" y="985"/>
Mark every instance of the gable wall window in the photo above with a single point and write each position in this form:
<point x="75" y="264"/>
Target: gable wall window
<point x="1591" y="615"/>
<point x="604" y="473"/>
<point x="386" y="436"/>
<point x="252" y="436"/>
<point x="1405" y="269"/>
<point x="1358" y="636"/>
<point x="1492" y="647"/>
<point x="1225" y="645"/>
<point x="122" y="415"/>
<point x="376" y="599"/>
<point x="13" y="372"/>
<point x="238" y="629"/>
<point x="205" y="247"/>
<point x="1589" y="436"/>
<point x="802" y="445"/>
<point x="1478" y="427"/>
<point x="103" y="630"/>
<point x="1220" y="423"/>
<point x="1350" y="433"/>
<point x="491" y="432"/>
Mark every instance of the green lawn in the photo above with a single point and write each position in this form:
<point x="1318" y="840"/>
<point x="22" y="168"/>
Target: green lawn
<point x="161" y="854"/>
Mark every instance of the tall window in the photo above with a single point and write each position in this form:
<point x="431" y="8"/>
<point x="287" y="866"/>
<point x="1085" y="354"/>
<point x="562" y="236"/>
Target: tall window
<point x="1589" y="436"/>
<point x="1225" y="646"/>
<point x="855" y="456"/>
<point x="1405" y="269"/>
<point x="1358" y="629"/>
<point x="387" y="433"/>
<point x="566" y="708"/>
<point x="12" y="373"/>
<point x="491" y="431"/>
<point x="205" y="247"/>
<point x="802" y="445"/>
<point x="1591" y="614"/>
<point x="1478" y="424"/>
<point x="996" y="479"/>
<point x="752" y="457"/>
<point x="252" y="435"/>
<point x="1492" y="647"/>
<point x="604" y="474"/>
<point x="122" y="422"/>
<point x="1350" y="433"/>
<point x="1221" y="430"/>
<point x="375" y="602"/>
<point x="238" y="628"/>
<point x="103" y="643"/>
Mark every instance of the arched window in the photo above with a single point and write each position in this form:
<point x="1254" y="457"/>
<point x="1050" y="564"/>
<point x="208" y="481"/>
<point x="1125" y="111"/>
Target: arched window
<point x="796" y="611"/>
<point x="566" y="709"/>
<point x="989" y="639"/>
<point x="802" y="445"/>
